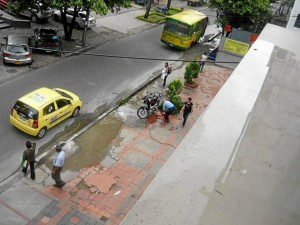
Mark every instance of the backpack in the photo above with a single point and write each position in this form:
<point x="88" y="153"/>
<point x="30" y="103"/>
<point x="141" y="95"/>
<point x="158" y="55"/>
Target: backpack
<point x="169" y="70"/>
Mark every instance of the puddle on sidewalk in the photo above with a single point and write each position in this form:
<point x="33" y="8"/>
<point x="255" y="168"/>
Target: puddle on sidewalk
<point x="92" y="147"/>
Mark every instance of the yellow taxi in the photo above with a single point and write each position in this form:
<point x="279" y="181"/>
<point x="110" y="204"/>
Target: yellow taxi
<point x="42" y="109"/>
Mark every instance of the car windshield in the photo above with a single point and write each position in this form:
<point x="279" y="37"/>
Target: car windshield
<point x="48" y="35"/>
<point x="64" y="94"/>
<point x="25" y="110"/>
<point x="17" y="49"/>
<point x="83" y="15"/>
<point x="177" y="27"/>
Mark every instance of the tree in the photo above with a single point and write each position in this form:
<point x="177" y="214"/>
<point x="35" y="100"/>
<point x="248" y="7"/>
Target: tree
<point x="101" y="7"/>
<point x="251" y="15"/>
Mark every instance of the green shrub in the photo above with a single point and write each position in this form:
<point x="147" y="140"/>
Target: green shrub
<point x="158" y="17"/>
<point x="196" y="68"/>
<point x="174" y="10"/>
<point x="178" y="103"/>
<point x="188" y="74"/>
<point x="175" y="87"/>
<point x="15" y="7"/>
<point x="153" y="17"/>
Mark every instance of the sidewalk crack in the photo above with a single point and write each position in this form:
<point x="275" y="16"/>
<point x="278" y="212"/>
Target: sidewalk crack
<point x="162" y="143"/>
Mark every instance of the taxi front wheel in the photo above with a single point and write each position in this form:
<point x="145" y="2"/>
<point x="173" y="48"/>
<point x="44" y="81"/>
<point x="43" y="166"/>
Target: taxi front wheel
<point x="42" y="133"/>
<point x="75" y="112"/>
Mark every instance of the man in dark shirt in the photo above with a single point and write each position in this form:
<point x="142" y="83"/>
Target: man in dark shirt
<point x="187" y="109"/>
<point x="29" y="155"/>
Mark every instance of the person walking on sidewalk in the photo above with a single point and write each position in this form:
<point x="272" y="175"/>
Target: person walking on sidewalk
<point x="165" y="72"/>
<point x="187" y="109"/>
<point x="203" y="61"/>
<point x="168" y="108"/>
<point x="29" y="156"/>
<point x="58" y="164"/>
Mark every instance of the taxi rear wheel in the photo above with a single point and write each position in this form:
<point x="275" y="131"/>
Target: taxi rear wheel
<point x="42" y="132"/>
<point x="75" y="112"/>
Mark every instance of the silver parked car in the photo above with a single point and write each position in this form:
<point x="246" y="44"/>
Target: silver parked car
<point x="16" y="50"/>
<point x="80" y="19"/>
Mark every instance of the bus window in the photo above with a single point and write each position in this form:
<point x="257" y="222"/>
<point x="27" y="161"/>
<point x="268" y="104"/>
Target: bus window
<point x="177" y="27"/>
<point x="197" y="27"/>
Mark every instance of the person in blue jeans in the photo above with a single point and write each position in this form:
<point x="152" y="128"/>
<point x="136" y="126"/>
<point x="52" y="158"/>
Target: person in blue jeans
<point x="168" y="108"/>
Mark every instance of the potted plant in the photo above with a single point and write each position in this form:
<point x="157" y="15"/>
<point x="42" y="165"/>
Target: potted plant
<point x="189" y="75"/>
<point x="174" y="89"/>
<point x="196" y="68"/>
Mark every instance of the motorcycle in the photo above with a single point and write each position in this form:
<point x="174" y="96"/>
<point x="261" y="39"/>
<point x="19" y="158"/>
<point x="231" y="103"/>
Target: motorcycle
<point x="151" y="103"/>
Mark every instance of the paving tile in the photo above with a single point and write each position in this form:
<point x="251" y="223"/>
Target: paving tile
<point x="45" y="219"/>
<point x="102" y="181"/>
<point x="135" y="159"/>
<point x="74" y="220"/>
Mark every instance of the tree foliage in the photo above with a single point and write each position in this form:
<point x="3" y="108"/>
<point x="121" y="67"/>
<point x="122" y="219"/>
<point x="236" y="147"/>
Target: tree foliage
<point x="250" y="15"/>
<point x="101" y="7"/>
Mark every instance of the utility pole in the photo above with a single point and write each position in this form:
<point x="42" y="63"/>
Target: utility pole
<point x="86" y="23"/>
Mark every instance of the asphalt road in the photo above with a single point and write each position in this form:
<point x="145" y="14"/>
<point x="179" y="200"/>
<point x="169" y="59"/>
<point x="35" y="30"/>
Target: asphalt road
<point x="99" y="81"/>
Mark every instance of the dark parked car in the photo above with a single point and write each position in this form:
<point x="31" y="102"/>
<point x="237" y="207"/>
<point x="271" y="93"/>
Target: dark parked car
<point x="141" y="2"/>
<point x="47" y="40"/>
<point x="195" y="2"/>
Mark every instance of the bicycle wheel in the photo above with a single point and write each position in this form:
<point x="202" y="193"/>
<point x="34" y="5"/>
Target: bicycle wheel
<point x="142" y="112"/>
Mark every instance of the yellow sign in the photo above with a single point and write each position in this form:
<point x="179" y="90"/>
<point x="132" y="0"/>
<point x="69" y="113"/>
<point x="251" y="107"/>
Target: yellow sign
<point x="234" y="46"/>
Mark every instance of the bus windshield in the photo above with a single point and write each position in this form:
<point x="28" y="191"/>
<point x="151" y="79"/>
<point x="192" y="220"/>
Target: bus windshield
<point x="177" y="27"/>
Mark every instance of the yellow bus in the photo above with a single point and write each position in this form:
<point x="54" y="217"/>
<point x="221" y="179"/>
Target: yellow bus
<point x="184" y="29"/>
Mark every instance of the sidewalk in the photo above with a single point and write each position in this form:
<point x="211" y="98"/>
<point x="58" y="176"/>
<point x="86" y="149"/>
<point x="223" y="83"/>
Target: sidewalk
<point x="105" y="193"/>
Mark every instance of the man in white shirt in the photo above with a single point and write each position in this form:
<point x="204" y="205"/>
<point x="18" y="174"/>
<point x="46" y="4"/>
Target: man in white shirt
<point x="203" y="61"/>
<point x="58" y="164"/>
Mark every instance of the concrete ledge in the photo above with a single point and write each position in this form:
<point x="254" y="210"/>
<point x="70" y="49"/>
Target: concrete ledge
<point x="14" y="22"/>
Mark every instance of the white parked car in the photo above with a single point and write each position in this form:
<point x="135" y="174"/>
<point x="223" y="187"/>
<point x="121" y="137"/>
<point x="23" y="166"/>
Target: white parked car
<point x="80" y="19"/>
<point x="36" y="11"/>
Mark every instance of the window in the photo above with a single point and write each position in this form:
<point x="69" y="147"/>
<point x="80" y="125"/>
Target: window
<point x="49" y="109"/>
<point x="64" y="94"/>
<point x="177" y="27"/>
<point x="25" y="110"/>
<point x="197" y="27"/>
<point x="297" y="22"/>
<point x="62" y="103"/>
